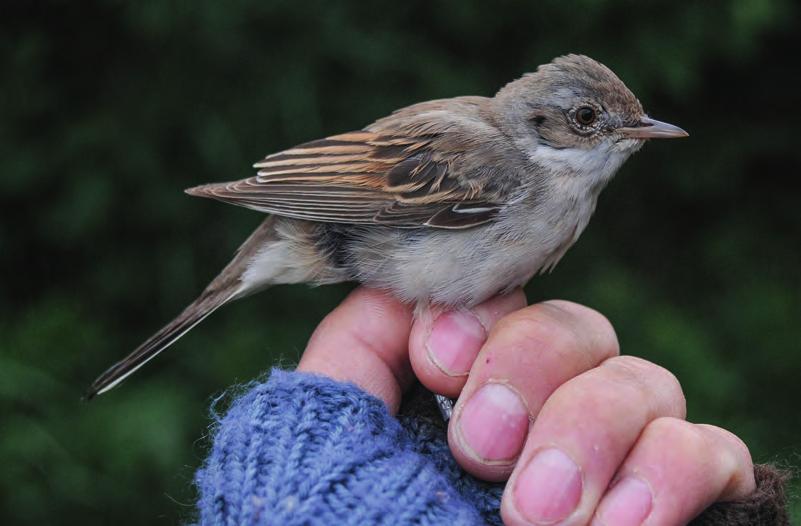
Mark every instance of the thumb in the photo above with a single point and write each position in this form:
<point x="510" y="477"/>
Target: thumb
<point x="365" y="340"/>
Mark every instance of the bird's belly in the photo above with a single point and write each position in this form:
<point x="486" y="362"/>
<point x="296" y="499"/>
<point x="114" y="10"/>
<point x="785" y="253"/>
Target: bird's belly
<point x="451" y="268"/>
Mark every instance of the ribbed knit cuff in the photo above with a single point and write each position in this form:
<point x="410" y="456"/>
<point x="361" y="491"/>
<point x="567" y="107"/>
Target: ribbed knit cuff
<point x="304" y="449"/>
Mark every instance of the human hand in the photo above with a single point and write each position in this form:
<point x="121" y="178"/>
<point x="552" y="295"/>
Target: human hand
<point x="545" y="401"/>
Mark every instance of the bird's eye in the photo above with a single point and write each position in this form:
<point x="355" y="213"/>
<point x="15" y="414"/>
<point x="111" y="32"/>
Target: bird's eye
<point x="586" y="115"/>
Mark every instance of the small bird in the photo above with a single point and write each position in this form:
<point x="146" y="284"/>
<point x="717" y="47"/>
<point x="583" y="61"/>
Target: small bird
<point x="443" y="203"/>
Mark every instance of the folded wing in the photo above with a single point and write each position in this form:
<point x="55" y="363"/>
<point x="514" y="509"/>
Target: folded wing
<point x="360" y="178"/>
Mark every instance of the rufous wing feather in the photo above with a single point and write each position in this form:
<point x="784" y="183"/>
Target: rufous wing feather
<point x="360" y="178"/>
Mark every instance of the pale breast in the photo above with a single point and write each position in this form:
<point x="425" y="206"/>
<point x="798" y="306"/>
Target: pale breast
<point x="465" y="267"/>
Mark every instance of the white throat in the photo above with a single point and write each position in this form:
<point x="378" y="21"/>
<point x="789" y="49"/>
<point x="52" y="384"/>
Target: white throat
<point x="594" y="168"/>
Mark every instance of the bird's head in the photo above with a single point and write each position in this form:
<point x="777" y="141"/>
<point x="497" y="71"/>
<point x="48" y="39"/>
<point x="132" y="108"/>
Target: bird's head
<point x="578" y="115"/>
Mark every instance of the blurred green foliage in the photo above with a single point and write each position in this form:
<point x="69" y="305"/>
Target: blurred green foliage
<point x="109" y="109"/>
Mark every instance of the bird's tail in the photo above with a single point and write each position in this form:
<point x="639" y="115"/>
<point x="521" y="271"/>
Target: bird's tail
<point x="224" y="288"/>
<point x="183" y="323"/>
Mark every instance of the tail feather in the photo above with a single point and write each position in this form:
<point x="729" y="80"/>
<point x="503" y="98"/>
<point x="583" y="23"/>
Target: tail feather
<point x="224" y="288"/>
<point x="196" y="312"/>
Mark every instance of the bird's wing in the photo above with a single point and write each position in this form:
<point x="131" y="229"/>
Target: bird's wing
<point x="364" y="177"/>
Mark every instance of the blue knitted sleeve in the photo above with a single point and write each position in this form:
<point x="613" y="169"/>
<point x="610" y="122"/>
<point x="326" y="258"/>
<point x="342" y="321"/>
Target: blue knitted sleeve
<point x="304" y="449"/>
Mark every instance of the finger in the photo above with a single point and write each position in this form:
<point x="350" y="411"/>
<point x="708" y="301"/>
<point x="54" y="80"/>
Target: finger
<point x="676" y="470"/>
<point x="581" y="436"/>
<point x="443" y="345"/>
<point x="528" y="355"/>
<point x="364" y="341"/>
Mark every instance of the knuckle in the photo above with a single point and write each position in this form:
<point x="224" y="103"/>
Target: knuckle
<point x="536" y="325"/>
<point x="726" y="459"/>
<point x="640" y="369"/>
<point x="600" y="332"/>
<point x="684" y="438"/>
<point x="734" y="444"/>
<point x="734" y="463"/>
<point x="653" y="380"/>
<point x="570" y="331"/>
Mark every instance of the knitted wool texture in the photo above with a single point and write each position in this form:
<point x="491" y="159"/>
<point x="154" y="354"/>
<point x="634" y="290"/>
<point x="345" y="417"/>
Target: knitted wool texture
<point x="304" y="449"/>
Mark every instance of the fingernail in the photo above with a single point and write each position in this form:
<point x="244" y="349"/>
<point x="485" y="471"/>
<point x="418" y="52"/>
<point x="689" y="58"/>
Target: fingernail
<point x="494" y="422"/>
<point x="549" y="488"/>
<point x="454" y="342"/>
<point x="628" y="503"/>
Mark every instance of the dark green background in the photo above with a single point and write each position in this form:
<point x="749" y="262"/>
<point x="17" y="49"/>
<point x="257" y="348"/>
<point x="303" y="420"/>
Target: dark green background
<point x="109" y="109"/>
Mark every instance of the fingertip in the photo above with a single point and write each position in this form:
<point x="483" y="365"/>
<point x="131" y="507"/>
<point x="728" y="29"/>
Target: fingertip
<point x="597" y="328"/>
<point x="442" y="348"/>
<point x="686" y="466"/>
<point x="445" y="343"/>
<point x="487" y="431"/>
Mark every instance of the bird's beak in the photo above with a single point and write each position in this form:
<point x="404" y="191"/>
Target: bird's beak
<point x="649" y="128"/>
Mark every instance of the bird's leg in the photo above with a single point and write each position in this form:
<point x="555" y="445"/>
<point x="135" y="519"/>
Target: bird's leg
<point x="445" y="406"/>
